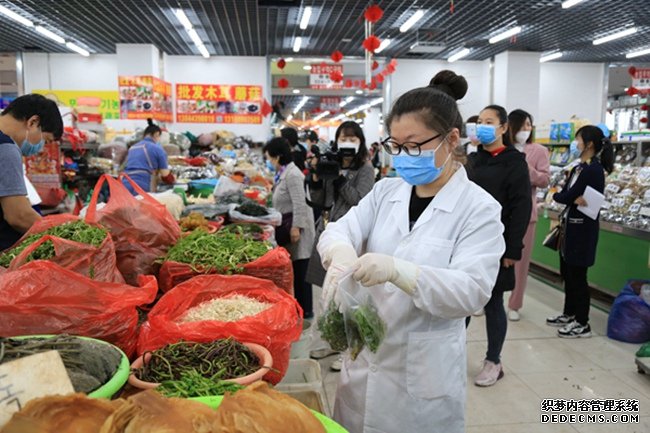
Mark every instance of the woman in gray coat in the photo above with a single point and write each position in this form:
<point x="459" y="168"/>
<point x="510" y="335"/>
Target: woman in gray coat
<point x="338" y="194"/>
<point x="289" y="198"/>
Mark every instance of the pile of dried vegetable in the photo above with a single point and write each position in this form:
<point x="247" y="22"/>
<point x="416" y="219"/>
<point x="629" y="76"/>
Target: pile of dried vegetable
<point x="251" y="208"/>
<point x="193" y="221"/>
<point x="77" y="231"/>
<point x="229" y="309"/>
<point x="189" y="369"/>
<point x="90" y="364"/>
<point x="223" y="252"/>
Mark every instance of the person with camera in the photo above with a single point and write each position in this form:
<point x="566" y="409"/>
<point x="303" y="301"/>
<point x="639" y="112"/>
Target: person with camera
<point x="338" y="181"/>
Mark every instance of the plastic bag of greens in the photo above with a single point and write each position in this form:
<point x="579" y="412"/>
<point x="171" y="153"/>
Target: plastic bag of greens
<point x="356" y="318"/>
<point x="644" y="351"/>
<point x="251" y="212"/>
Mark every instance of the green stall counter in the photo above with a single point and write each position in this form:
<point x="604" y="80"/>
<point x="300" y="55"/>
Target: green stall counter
<point x="622" y="253"/>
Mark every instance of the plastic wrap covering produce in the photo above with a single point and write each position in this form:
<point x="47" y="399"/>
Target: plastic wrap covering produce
<point x="203" y="253"/>
<point x="627" y="197"/>
<point x="274" y="328"/>
<point x="179" y="140"/>
<point x="84" y="248"/>
<point x="43" y="298"/>
<point x="143" y="230"/>
<point x="629" y="318"/>
<point x="251" y="212"/>
<point x="116" y="151"/>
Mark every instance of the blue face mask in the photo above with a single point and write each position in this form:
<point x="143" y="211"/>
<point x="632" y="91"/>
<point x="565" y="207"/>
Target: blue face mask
<point x="573" y="149"/>
<point x="487" y="134"/>
<point x="29" y="149"/>
<point x="419" y="170"/>
<point x="270" y="166"/>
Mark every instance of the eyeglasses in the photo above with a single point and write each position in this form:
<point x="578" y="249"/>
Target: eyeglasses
<point x="411" y="148"/>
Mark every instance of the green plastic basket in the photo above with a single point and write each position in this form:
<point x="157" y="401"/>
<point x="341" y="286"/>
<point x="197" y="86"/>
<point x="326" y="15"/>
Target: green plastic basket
<point x="331" y="426"/>
<point x="110" y="388"/>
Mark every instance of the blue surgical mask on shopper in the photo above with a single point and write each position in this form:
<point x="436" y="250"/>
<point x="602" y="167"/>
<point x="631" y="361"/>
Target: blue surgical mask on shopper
<point x="419" y="170"/>
<point x="487" y="134"/>
<point x="29" y="149"/>
<point x="573" y="149"/>
<point x="270" y="166"/>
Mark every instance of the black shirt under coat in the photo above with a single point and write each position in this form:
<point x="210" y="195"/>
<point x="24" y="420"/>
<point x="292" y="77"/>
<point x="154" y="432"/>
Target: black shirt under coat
<point x="507" y="179"/>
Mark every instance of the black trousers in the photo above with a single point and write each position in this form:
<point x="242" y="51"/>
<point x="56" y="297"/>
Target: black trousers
<point x="301" y="288"/>
<point x="496" y="325"/>
<point x="576" y="291"/>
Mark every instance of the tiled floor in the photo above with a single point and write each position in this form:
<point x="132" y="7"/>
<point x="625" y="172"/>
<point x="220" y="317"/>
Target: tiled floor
<point x="539" y="365"/>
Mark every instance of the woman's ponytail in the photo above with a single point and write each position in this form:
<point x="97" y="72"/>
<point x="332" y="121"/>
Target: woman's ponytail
<point x="607" y="155"/>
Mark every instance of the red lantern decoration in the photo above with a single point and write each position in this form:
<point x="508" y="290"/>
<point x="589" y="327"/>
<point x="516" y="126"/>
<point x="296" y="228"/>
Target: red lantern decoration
<point x="373" y="13"/>
<point x="644" y="107"/>
<point x="375" y="65"/>
<point x="379" y="78"/>
<point x="371" y="43"/>
<point x="632" y="70"/>
<point x="348" y="83"/>
<point x="357" y="83"/>
<point x="283" y="83"/>
<point x="336" y="76"/>
<point x="337" y="56"/>
<point x="282" y="63"/>
<point x="393" y="63"/>
<point x="631" y="91"/>
<point x="323" y="65"/>
<point x="373" y="85"/>
<point x="364" y="85"/>
<point x="644" y="120"/>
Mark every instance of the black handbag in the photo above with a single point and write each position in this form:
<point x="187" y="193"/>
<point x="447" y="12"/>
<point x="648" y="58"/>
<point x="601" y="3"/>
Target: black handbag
<point x="553" y="239"/>
<point x="283" y="231"/>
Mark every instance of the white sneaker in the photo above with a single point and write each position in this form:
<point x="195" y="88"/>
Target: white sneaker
<point x="575" y="330"/>
<point x="513" y="315"/>
<point x="489" y="375"/>
<point x="337" y="364"/>
<point x="479" y="313"/>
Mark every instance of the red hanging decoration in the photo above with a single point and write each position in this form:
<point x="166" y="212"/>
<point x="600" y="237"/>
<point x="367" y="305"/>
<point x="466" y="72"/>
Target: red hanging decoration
<point x="357" y="83"/>
<point x="371" y="43"/>
<point x="451" y="7"/>
<point x="632" y="70"/>
<point x="373" y="13"/>
<point x="283" y="83"/>
<point x="364" y="85"/>
<point x="373" y="85"/>
<point x="379" y="78"/>
<point x="266" y="108"/>
<point x="337" y="56"/>
<point x="644" y="107"/>
<point x="631" y="91"/>
<point x="282" y="63"/>
<point x="323" y="64"/>
<point x="375" y="65"/>
<point x="336" y="76"/>
<point x="644" y="120"/>
<point x="348" y="83"/>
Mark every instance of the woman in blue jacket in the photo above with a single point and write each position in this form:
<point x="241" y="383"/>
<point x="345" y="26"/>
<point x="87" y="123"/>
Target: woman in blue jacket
<point x="578" y="247"/>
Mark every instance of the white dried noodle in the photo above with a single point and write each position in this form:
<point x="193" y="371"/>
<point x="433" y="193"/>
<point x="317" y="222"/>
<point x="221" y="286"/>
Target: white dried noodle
<point x="225" y="309"/>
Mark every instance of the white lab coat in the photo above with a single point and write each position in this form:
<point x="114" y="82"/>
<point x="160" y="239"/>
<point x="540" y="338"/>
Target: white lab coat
<point x="416" y="381"/>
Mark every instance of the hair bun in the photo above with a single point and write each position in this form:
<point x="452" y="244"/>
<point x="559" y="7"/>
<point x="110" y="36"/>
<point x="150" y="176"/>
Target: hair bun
<point x="448" y="82"/>
<point x="150" y="121"/>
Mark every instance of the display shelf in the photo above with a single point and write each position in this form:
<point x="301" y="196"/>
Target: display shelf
<point x="610" y="227"/>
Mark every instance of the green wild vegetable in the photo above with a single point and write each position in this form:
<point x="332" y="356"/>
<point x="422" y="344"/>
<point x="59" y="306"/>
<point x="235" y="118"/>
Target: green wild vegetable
<point x="77" y="231"/>
<point x="225" y="359"/>
<point x="332" y="328"/>
<point x="194" y="384"/>
<point x="252" y="209"/>
<point x="242" y="229"/>
<point x="371" y="328"/>
<point x="224" y="253"/>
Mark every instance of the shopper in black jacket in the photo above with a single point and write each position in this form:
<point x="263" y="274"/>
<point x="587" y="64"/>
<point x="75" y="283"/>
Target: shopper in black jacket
<point x="578" y="248"/>
<point x="500" y="169"/>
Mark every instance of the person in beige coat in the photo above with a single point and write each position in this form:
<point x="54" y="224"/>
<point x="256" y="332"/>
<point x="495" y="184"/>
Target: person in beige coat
<point x="289" y="199"/>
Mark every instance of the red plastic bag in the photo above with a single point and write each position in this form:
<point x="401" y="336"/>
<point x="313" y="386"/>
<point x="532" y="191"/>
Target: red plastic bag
<point x="274" y="266"/>
<point x="97" y="263"/>
<point x="275" y="328"/>
<point x="43" y="298"/>
<point x="142" y="230"/>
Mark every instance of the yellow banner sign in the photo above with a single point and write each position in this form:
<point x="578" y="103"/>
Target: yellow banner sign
<point x="109" y="100"/>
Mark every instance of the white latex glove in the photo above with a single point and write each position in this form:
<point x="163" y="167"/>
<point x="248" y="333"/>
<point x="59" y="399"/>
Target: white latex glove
<point x="374" y="269"/>
<point x="338" y="259"/>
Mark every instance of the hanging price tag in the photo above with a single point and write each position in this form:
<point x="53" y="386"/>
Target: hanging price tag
<point x="635" y="208"/>
<point x="31" y="377"/>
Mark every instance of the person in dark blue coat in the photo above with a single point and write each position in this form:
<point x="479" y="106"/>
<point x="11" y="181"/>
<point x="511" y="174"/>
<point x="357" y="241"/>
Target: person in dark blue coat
<point x="578" y="246"/>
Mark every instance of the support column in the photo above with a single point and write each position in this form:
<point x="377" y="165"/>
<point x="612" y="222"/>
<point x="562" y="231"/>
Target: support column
<point x="138" y="59"/>
<point x="516" y="81"/>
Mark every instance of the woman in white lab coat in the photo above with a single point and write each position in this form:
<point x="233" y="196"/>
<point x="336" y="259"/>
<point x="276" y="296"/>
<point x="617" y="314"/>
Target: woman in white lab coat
<point x="431" y="241"/>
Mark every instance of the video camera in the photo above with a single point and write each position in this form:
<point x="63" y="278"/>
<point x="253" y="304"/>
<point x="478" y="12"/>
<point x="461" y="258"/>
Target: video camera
<point x="328" y="166"/>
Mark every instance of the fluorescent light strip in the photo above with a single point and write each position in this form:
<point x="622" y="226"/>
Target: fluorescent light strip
<point x="296" y="91"/>
<point x="569" y="3"/>
<point x="301" y="104"/>
<point x="204" y="51"/>
<point x="458" y="55"/>
<point x="549" y="57"/>
<point x="384" y="44"/>
<point x="48" y="34"/>
<point x="77" y="49"/>
<point x="346" y="101"/>
<point x="417" y="16"/>
<point x="359" y="92"/>
<point x="306" y="15"/>
<point x="296" y="44"/>
<point x="505" y="35"/>
<point x="195" y="37"/>
<point x="290" y="118"/>
<point x="633" y="54"/>
<point x="307" y="67"/>
<point x="321" y="115"/>
<point x="14" y="16"/>
<point x="626" y="32"/>
<point x="180" y="14"/>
